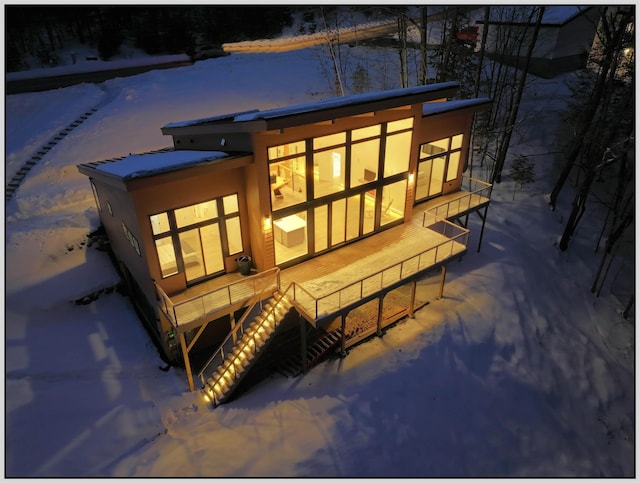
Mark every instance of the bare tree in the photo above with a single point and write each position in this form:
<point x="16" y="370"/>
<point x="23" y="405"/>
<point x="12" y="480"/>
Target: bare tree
<point x="608" y="126"/>
<point x="402" y="50"/>
<point x="503" y="144"/>
<point x="613" y="35"/>
<point x="502" y="81"/>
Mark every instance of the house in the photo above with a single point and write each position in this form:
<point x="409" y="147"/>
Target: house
<point x="563" y="44"/>
<point x="340" y="207"/>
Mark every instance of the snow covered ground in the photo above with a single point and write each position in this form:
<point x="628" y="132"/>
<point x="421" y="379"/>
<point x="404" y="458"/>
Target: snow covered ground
<point x="519" y="371"/>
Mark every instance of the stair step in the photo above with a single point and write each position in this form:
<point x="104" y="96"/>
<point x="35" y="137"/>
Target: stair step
<point x="324" y="344"/>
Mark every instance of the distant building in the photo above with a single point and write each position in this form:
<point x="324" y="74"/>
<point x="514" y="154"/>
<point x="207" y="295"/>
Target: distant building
<point x="563" y="44"/>
<point x="262" y="234"/>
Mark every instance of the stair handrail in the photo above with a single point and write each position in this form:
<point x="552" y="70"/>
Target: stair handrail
<point x="220" y="351"/>
<point x="240" y="325"/>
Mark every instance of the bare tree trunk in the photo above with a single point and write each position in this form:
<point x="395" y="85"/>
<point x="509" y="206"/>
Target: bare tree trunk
<point x="511" y="122"/>
<point x="449" y="38"/>
<point x="578" y="206"/>
<point x="612" y="36"/>
<point x="483" y="46"/>
<point x="615" y="235"/>
<point x="402" y="48"/>
<point x="424" y="66"/>
<point x="336" y="70"/>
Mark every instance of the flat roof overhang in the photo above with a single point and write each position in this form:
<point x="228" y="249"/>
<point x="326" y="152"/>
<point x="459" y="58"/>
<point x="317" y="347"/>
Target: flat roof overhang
<point x="322" y="111"/>
<point x="139" y="179"/>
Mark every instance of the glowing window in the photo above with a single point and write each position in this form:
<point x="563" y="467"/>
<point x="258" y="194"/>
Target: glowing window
<point x="394" y="126"/>
<point x="330" y="140"/>
<point x="365" y="132"/>
<point x="452" y="168"/>
<point x="159" y="223"/>
<point x="284" y="150"/>
<point x="397" y="153"/>
<point x="197" y="213"/>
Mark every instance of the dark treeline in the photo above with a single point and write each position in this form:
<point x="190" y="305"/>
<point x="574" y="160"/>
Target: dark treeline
<point x="38" y="31"/>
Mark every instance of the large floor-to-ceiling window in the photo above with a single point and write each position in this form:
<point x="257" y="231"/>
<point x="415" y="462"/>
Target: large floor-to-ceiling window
<point x="438" y="163"/>
<point x="329" y="190"/>
<point x="196" y="238"/>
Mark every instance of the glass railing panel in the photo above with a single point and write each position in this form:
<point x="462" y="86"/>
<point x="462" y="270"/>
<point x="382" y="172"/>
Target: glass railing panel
<point x="350" y="294"/>
<point x="428" y="258"/>
<point x="215" y="300"/>
<point x="188" y="311"/>
<point x="391" y="275"/>
<point x="411" y="266"/>
<point x="372" y="284"/>
<point x="329" y="303"/>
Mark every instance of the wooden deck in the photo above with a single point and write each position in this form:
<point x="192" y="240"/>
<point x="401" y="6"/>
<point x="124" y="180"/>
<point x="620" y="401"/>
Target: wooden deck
<point x="363" y="261"/>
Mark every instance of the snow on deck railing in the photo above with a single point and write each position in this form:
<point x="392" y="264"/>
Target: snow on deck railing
<point x="319" y="306"/>
<point x="478" y="193"/>
<point x="186" y="311"/>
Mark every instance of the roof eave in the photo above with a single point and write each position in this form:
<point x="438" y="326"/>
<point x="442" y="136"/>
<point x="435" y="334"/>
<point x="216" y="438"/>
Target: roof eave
<point x="229" y="127"/>
<point x="330" y="114"/>
<point x="481" y="105"/>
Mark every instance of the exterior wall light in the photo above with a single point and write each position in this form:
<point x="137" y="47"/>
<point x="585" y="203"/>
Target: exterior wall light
<point x="267" y="222"/>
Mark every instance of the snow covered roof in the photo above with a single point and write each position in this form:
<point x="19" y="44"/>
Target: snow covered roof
<point x="333" y="103"/>
<point x="553" y="15"/>
<point x="205" y="120"/>
<point x="345" y="101"/>
<point x="169" y="159"/>
<point x="147" y="164"/>
<point x="432" y="108"/>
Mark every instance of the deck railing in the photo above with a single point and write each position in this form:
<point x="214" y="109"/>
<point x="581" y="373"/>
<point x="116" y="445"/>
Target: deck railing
<point x="196" y="307"/>
<point x="477" y="193"/>
<point x="314" y="306"/>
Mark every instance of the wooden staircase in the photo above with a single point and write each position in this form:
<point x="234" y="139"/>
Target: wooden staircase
<point x="220" y="385"/>
<point x="316" y="353"/>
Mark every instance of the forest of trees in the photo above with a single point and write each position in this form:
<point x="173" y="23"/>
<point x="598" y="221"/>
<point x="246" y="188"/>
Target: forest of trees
<point x="38" y="31"/>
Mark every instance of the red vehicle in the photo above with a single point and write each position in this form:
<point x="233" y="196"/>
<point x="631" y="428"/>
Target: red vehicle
<point x="468" y="35"/>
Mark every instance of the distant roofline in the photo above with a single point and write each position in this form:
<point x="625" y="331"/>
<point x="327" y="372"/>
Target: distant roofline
<point x="550" y="11"/>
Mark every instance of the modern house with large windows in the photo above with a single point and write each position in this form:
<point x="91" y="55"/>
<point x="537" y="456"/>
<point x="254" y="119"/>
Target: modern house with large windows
<point x="272" y="238"/>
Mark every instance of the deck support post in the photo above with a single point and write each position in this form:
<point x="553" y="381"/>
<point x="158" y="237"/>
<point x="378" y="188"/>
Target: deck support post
<point x="412" y="302"/>
<point x="443" y="274"/>
<point x="232" y="321"/>
<point x="185" y="357"/>
<point x="379" y="321"/>
<point x="343" y="352"/>
<point x="484" y="219"/>
<point x="303" y="343"/>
